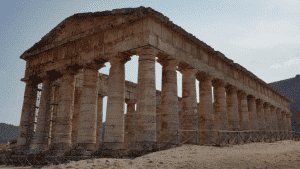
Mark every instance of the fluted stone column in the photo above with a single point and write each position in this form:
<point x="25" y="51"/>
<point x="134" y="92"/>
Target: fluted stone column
<point x="27" y="117"/>
<point x="55" y="98"/>
<point x="284" y="121"/>
<point x="243" y="111"/>
<point x="189" y="104"/>
<point x="169" y="102"/>
<point x="40" y="141"/>
<point x="145" y="123"/>
<point x="279" y="119"/>
<point x="274" y="123"/>
<point x="158" y="123"/>
<point x="252" y="113"/>
<point x="87" y="121"/>
<point x="260" y="114"/>
<point x="77" y="104"/>
<point x="268" y="120"/>
<point x="232" y="108"/>
<point x="63" y="128"/>
<point x="129" y="129"/>
<point x="220" y="106"/>
<point x="288" y="121"/>
<point x="206" y="110"/>
<point x="99" y="120"/>
<point x="114" y="125"/>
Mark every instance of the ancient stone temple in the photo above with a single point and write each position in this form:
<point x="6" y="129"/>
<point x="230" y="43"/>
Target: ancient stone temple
<point x="67" y="60"/>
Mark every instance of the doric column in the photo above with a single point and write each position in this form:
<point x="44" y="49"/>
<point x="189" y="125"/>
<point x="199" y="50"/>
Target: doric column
<point x="252" y="113"/>
<point x="145" y="123"/>
<point x="40" y="141"/>
<point x="77" y="104"/>
<point x="63" y="126"/>
<point x="274" y="123"/>
<point x="268" y="120"/>
<point x="114" y="125"/>
<point x="284" y="120"/>
<point x="169" y="102"/>
<point x="279" y="119"/>
<point x="87" y="119"/>
<point x="54" y="103"/>
<point x="206" y="111"/>
<point x="27" y="117"/>
<point x="220" y="106"/>
<point x="260" y="114"/>
<point x="232" y="108"/>
<point x="99" y="120"/>
<point x="129" y="129"/>
<point x="243" y="111"/>
<point x="189" y="104"/>
<point x="288" y="121"/>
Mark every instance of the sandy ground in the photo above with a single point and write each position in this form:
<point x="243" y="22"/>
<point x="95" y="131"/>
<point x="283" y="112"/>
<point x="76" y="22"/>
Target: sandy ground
<point x="281" y="154"/>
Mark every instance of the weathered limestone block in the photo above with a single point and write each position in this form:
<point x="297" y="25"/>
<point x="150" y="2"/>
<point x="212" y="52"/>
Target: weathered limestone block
<point x="268" y="119"/>
<point x="114" y="128"/>
<point x="146" y="103"/>
<point x="232" y="108"/>
<point x="288" y="121"/>
<point x="27" y="117"/>
<point x="169" y="102"/>
<point x="130" y="117"/>
<point x="40" y="141"/>
<point x="252" y="113"/>
<point x="206" y="111"/>
<point x="284" y="120"/>
<point x="274" y="118"/>
<point x="260" y="114"/>
<point x="87" y="121"/>
<point x="77" y="103"/>
<point x="243" y="111"/>
<point x="63" y="129"/>
<point x="54" y="103"/>
<point x="189" y="114"/>
<point x="99" y="120"/>
<point x="158" y="123"/>
<point x="279" y="119"/>
<point x="220" y="107"/>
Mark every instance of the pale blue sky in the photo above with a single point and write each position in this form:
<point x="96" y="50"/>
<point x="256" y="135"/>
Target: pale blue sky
<point x="262" y="36"/>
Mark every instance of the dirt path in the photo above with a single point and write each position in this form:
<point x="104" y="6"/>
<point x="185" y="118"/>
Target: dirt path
<point x="281" y="154"/>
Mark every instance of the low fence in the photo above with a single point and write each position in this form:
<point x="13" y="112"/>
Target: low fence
<point x="198" y="137"/>
<point x="224" y="137"/>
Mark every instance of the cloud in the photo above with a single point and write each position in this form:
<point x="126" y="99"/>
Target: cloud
<point x="292" y="62"/>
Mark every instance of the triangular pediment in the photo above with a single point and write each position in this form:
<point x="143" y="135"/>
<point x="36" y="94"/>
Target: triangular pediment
<point x="82" y="23"/>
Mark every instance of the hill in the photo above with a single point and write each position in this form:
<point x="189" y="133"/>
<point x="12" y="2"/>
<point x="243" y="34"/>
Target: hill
<point x="8" y="132"/>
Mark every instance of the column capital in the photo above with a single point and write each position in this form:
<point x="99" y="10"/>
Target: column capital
<point x="94" y="65"/>
<point x="251" y="98"/>
<point x="259" y="101"/>
<point x="130" y="101"/>
<point x="166" y="60"/>
<point x="186" y="68"/>
<point x="231" y="89"/>
<point x="242" y="94"/>
<point x="120" y="58"/>
<point x="283" y="113"/>
<point x="146" y="51"/>
<point x="288" y="115"/>
<point x="266" y="104"/>
<point x="218" y="83"/>
<point x="202" y="76"/>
